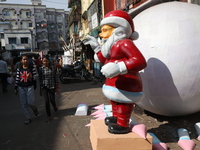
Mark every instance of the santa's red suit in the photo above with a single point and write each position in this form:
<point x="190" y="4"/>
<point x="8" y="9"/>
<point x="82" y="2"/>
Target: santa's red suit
<point x="124" y="90"/>
<point x="122" y="61"/>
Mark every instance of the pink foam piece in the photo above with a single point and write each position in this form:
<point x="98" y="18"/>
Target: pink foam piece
<point x="87" y="125"/>
<point x="160" y="146"/>
<point x="101" y="114"/>
<point x="96" y="112"/>
<point x="101" y="118"/>
<point x="187" y="144"/>
<point x="99" y="107"/>
<point x="140" y="129"/>
<point x="198" y="138"/>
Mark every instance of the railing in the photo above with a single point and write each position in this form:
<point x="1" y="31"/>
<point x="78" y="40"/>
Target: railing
<point x="17" y="46"/>
<point x="74" y="17"/>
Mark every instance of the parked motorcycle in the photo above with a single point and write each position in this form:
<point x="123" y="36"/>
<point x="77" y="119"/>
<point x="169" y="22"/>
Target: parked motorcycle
<point x="76" y="71"/>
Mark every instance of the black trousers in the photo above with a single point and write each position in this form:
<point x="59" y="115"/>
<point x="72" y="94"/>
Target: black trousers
<point x="3" y="77"/>
<point x="49" y="97"/>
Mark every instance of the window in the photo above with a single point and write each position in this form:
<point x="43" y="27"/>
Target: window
<point x="24" y="40"/>
<point x="29" y="24"/>
<point x="59" y="18"/>
<point x="59" y="26"/>
<point x="52" y="36"/>
<point x="12" y="40"/>
<point x="2" y="36"/>
<point x="28" y="14"/>
<point x="6" y="13"/>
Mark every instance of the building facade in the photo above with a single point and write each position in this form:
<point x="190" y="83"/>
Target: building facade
<point x="92" y="12"/>
<point x="3" y="25"/>
<point x="44" y="25"/>
<point x="21" y="18"/>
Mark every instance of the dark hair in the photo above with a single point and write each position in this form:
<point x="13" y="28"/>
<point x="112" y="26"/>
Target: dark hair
<point x="47" y="57"/>
<point x="23" y="55"/>
<point x="36" y="56"/>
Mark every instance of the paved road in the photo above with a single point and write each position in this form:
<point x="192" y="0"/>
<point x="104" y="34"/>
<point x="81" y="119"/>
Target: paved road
<point x="68" y="132"/>
<point x="64" y="132"/>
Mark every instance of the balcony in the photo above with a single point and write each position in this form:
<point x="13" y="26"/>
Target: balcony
<point x="18" y="46"/>
<point x="74" y="17"/>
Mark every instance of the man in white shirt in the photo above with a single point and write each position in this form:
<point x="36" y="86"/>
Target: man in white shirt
<point x="3" y="74"/>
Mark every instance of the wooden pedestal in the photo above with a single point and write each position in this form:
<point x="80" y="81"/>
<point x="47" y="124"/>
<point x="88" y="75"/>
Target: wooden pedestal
<point x="101" y="139"/>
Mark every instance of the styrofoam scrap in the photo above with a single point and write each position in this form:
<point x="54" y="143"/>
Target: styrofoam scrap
<point x="81" y="110"/>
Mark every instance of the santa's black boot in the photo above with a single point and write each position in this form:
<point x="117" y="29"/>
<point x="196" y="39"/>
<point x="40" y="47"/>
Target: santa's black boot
<point x="117" y="129"/>
<point x="123" y="116"/>
<point x="112" y="119"/>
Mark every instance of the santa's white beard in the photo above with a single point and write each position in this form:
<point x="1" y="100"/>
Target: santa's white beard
<point x="118" y="34"/>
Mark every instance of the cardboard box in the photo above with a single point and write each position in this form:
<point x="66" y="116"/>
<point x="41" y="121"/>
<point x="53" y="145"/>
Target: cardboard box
<point x="101" y="139"/>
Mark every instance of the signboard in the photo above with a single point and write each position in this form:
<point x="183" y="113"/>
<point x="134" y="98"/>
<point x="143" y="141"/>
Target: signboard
<point x="94" y="20"/>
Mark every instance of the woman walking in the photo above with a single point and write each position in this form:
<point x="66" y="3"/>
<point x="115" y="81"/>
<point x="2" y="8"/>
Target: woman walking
<point x="25" y="79"/>
<point x="49" y="85"/>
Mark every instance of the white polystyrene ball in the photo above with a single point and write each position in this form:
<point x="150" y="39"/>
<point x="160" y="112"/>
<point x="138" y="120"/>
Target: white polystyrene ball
<point x="169" y="39"/>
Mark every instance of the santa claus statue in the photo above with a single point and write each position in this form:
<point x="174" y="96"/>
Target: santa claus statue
<point x="122" y="61"/>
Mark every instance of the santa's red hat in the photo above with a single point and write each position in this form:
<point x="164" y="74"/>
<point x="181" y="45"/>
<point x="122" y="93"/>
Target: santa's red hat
<point x="118" y="18"/>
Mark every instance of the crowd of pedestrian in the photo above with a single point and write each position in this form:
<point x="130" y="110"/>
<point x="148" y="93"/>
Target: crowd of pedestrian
<point x="25" y="72"/>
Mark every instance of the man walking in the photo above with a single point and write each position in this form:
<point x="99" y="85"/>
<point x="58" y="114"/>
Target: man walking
<point x="3" y="74"/>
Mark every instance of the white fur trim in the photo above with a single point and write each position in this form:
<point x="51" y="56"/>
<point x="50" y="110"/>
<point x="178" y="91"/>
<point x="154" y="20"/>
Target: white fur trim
<point x="96" y="58"/>
<point x="117" y="21"/>
<point x="122" y="67"/>
<point x="97" y="49"/>
<point x="122" y="96"/>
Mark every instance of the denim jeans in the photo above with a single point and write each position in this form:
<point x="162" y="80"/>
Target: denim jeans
<point x="26" y="95"/>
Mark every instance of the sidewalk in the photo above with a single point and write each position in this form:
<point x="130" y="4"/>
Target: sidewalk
<point x="64" y="132"/>
<point x="68" y="132"/>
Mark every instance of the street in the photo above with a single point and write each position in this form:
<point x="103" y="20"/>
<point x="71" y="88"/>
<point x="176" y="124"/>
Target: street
<point x="64" y="132"/>
<point x="67" y="131"/>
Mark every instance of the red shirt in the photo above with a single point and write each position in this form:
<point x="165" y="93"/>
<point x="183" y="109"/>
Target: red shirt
<point x="38" y="62"/>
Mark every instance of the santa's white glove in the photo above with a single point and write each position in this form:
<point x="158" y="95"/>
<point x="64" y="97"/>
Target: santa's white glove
<point x="111" y="70"/>
<point x="92" y="41"/>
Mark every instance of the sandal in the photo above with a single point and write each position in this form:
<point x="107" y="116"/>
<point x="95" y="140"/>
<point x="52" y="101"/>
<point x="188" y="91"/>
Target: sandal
<point x="48" y="119"/>
<point x="27" y="121"/>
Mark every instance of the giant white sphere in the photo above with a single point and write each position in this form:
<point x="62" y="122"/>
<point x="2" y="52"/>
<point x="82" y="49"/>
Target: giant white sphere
<point x="170" y="42"/>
